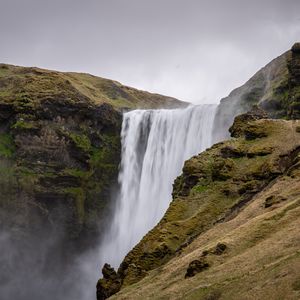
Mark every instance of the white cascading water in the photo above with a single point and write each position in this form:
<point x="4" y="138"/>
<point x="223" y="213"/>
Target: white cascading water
<point x="155" y="144"/>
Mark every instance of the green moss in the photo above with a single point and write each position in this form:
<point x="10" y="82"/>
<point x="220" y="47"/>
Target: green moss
<point x="7" y="146"/>
<point x="198" y="189"/>
<point x="77" y="173"/>
<point x="21" y="124"/>
<point x="103" y="157"/>
<point x="81" y="141"/>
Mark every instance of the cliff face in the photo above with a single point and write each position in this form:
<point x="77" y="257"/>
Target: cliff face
<point x="275" y="88"/>
<point x="232" y="225"/>
<point x="60" y="149"/>
<point x="294" y="82"/>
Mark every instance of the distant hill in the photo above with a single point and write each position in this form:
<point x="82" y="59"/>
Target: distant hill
<point x="37" y="84"/>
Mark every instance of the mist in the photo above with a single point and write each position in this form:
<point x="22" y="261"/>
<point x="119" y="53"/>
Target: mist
<point x="42" y="268"/>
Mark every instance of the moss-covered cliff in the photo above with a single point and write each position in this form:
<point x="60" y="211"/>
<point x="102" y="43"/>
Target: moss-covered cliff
<point x="231" y="231"/>
<point x="60" y="148"/>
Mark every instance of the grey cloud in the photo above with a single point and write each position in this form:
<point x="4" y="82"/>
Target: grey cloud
<point x="194" y="50"/>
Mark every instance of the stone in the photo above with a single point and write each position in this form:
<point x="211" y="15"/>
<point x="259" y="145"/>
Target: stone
<point x="241" y="127"/>
<point x="220" y="249"/>
<point x="195" y="267"/>
<point x="110" y="284"/>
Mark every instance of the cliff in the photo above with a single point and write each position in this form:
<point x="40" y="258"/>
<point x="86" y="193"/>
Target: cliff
<point x="60" y="149"/>
<point x="231" y="231"/>
<point x="275" y="88"/>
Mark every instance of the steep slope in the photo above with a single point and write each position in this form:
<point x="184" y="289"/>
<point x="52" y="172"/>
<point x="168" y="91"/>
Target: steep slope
<point x="230" y="205"/>
<point x="275" y="88"/>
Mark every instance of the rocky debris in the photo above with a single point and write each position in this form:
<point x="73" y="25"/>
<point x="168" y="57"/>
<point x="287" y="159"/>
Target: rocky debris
<point x="195" y="267"/>
<point x="110" y="284"/>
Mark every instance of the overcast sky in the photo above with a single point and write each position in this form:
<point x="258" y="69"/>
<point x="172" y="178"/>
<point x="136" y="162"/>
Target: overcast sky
<point x="191" y="49"/>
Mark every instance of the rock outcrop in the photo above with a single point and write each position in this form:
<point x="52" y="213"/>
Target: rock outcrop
<point x="294" y="82"/>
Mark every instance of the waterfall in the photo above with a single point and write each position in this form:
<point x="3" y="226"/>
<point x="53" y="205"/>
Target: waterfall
<point x="155" y="144"/>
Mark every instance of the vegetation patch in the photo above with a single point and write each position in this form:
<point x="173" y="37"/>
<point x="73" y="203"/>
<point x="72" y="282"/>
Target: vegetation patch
<point x="81" y="141"/>
<point x="198" y="189"/>
<point x="22" y="124"/>
<point x="7" y="146"/>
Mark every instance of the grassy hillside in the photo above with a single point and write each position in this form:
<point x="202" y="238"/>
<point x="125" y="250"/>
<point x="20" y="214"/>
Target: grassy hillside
<point x="37" y="84"/>
<point x="233" y="223"/>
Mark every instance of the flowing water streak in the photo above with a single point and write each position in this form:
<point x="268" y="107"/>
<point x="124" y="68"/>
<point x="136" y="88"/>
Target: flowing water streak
<point x="155" y="144"/>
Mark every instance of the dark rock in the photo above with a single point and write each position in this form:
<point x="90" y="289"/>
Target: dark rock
<point x="296" y="48"/>
<point x="222" y="169"/>
<point x="109" y="272"/>
<point x="271" y="200"/>
<point x="110" y="284"/>
<point x="195" y="267"/>
<point x="294" y="82"/>
<point x="6" y="111"/>
<point x="231" y="152"/>
<point x="241" y="126"/>
<point x="220" y="249"/>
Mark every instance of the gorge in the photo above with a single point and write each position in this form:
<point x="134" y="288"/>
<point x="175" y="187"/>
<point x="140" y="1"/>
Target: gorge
<point x="155" y="144"/>
<point x="151" y="202"/>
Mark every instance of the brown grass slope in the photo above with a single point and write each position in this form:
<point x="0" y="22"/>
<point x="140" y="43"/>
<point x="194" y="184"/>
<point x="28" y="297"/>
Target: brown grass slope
<point x="244" y="193"/>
